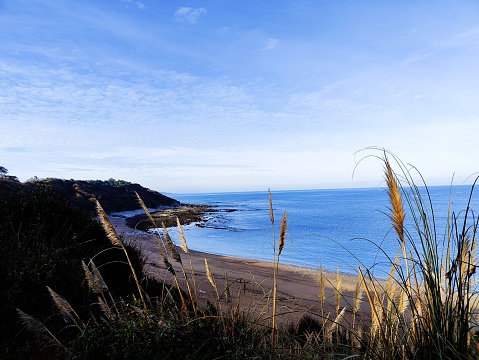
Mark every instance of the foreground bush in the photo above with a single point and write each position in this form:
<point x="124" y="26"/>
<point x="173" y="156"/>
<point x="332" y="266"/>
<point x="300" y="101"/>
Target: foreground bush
<point x="43" y="240"/>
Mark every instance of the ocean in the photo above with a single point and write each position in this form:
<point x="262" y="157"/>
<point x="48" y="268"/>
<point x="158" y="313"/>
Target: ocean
<point x="337" y="229"/>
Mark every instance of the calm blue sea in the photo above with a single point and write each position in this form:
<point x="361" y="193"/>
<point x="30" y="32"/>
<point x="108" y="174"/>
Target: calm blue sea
<point x="336" y="229"/>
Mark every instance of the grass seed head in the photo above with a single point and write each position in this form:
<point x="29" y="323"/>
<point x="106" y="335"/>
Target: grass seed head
<point x="107" y="226"/>
<point x="209" y="274"/>
<point x="397" y="210"/>
<point x="171" y="246"/>
<point x="183" y="245"/>
<point x="282" y="233"/>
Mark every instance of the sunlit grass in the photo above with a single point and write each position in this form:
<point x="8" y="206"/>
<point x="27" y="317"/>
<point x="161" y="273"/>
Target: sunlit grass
<point x="425" y="309"/>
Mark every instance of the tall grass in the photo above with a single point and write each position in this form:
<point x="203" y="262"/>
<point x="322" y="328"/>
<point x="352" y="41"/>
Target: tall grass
<point x="277" y="253"/>
<point x="428" y="306"/>
<point x="425" y="309"/>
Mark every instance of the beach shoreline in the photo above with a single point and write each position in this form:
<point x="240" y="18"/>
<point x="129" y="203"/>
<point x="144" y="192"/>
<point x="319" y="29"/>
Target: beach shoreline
<point x="248" y="281"/>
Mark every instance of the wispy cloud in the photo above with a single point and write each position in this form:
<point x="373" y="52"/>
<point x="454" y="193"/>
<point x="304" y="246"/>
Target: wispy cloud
<point x="463" y="38"/>
<point x="189" y="15"/>
<point x="454" y="41"/>
<point x="137" y="4"/>
<point x="272" y="43"/>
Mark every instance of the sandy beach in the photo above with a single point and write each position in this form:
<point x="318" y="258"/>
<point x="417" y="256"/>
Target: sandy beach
<point x="250" y="281"/>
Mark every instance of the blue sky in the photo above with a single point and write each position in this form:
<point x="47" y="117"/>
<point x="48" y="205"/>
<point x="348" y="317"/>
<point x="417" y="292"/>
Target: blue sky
<point x="200" y="96"/>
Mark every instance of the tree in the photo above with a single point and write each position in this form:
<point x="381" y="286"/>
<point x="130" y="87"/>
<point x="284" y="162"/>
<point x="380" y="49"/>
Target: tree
<point x="3" y="172"/>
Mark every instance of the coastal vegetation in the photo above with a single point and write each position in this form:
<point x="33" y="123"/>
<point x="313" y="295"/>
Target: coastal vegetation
<point x="75" y="288"/>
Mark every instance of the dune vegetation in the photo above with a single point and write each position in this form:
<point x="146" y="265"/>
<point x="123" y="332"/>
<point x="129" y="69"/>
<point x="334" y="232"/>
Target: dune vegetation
<point x="74" y="289"/>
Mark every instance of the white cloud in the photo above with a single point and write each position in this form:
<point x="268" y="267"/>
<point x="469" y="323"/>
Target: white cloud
<point x="189" y="15"/>
<point x="272" y="43"/>
<point x="138" y="4"/>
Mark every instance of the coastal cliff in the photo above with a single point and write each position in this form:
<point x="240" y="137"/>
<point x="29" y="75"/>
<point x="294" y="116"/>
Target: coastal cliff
<point x="114" y="195"/>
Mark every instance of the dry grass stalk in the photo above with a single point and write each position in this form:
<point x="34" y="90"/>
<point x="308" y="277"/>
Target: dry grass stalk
<point x="337" y="292"/>
<point x="64" y="306"/>
<point x="282" y="240"/>
<point x="40" y="330"/>
<point x="183" y="245"/>
<point x="98" y="278"/>
<point x="92" y="284"/>
<point x="282" y="234"/>
<point x="115" y="240"/>
<point x="171" y="246"/>
<point x="105" y="309"/>
<point x="212" y="281"/>
<point x="335" y="324"/>
<point x="358" y="295"/>
<point x="176" y="256"/>
<point x="322" y="289"/>
<point x="403" y="302"/>
<point x="209" y="275"/>
<point x="375" y="318"/>
<point x="271" y="213"/>
<point x="107" y="226"/>
<point x="94" y="279"/>
<point x="97" y="284"/>
<point x="358" y="298"/>
<point x="147" y="212"/>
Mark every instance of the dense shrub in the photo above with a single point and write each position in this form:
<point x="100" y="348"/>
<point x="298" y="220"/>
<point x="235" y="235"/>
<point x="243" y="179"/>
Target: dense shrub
<point x="43" y="239"/>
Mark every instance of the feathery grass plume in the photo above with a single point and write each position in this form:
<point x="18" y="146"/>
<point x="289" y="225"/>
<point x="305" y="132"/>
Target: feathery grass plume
<point x="107" y="226"/>
<point x="183" y="245"/>
<point x="115" y="240"/>
<point x="358" y="298"/>
<point x="171" y="246"/>
<point x="398" y="214"/>
<point x="212" y="281"/>
<point x="391" y="281"/>
<point x="358" y="295"/>
<point x="271" y="213"/>
<point x="356" y="332"/>
<point x="282" y="234"/>
<point x="172" y="271"/>
<point x="92" y="284"/>
<point x="337" y="291"/>
<point x="335" y="324"/>
<point x="94" y="279"/>
<point x="168" y="265"/>
<point x="162" y="253"/>
<point x="98" y="278"/>
<point x="145" y="209"/>
<point x="176" y="256"/>
<point x="282" y="240"/>
<point x="209" y="275"/>
<point x="40" y="330"/>
<point x="322" y="288"/>
<point x="372" y="305"/>
<point x="97" y="284"/>
<point x="403" y="302"/>
<point x="65" y="308"/>
<point x="106" y="309"/>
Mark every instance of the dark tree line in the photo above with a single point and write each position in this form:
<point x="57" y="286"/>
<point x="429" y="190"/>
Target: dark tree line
<point x="4" y="174"/>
